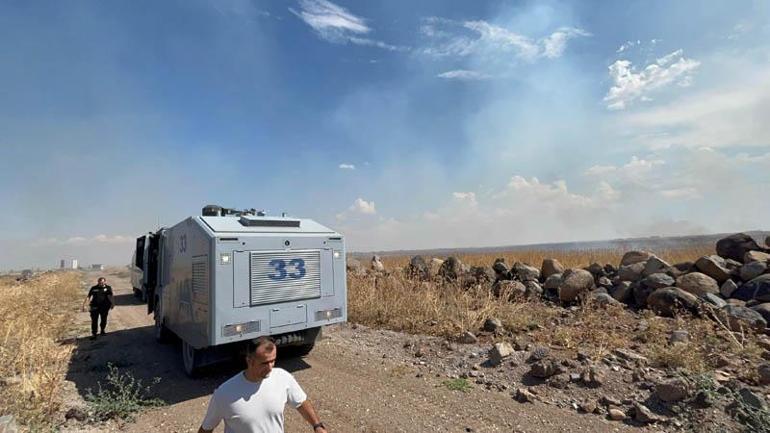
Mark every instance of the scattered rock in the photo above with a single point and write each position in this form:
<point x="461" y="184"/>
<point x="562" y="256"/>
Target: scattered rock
<point x="631" y="272"/>
<point x="751" y="399"/>
<point x="668" y="300"/>
<point x="499" y="352"/>
<point x="501" y="270"/>
<point x="377" y="265"/>
<point x="604" y="282"/>
<point x="550" y="267"/>
<point x="736" y="246"/>
<point x="523" y="395"/>
<point x="552" y="282"/>
<point x="525" y="272"/>
<point x="672" y="390"/>
<point x="655" y="265"/>
<point x="644" y="415"/>
<point x="622" y="291"/>
<point x="603" y="299"/>
<point x="595" y="269"/>
<point x="763" y="371"/>
<point x="593" y="377"/>
<point x="679" y="336"/>
<point x="467" y="337"/>
<point x="616" y="414"/>
<point x="539" y="353"/>
<point x="575" y="282"/>
<point x="588" y="406"/>
<point x="697" y="283"/>
<point x="451" y="269"/>
<point x="533" y="289"/>
<point x="435" y="266"/>
<point x="737" y="318"/>
<point x="633" y="257"/>
<point x="758" y="288"/>
<point x="727" y="288"/>
<point x="658" y="281"/>
<point x="713" y="266"/>
<point x="8" y="424"/>
<point x="752" y="270"/>
<point x="493" y="324"/>
<point x="756" y="256"/>
<point x="510" y="288"/>
<point x="714" y="300"/>
<point x="355" y="267"/>
<point x="630" y="356"/>
<point x="76" y="413"/>
<point x="418" y="268"/>
<point x="544" y="369"/>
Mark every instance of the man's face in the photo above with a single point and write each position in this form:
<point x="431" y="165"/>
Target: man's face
<point x="102" y="282"/>
<point x="261" y="362"/>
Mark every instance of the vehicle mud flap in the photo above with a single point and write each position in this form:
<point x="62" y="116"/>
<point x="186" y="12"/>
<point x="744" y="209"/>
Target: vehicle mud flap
<point x="150" y="295"/>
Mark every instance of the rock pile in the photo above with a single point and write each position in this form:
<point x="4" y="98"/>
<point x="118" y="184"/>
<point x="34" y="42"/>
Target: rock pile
<point x="732" y="285"/>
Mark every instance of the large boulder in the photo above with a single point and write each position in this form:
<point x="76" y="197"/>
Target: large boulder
<point x="418" y="268"/>
<point x="640" y="294"/>
<point x="697" y="283"/>
<point x="633" y="257"/>
<point x="509" y="288"/>
<point x="756" y="256"/>
<point x="713" y="266"/>
<point x="736" y="246"/>
<point x="668" y="300"/>
<point x="575" y="282"/>
<point x="752" y="270"/>
<point x="622" y="292"/>
<point x="435" y="266"/>
<point x="482" y="274"/>
<point x="377" y="265"/>
<point x="632" y="272"/>
<point x="595" y="269"/>
<point x="737" y="318"/>
<point x="728" y="288"/>
<point x="550" y="267"/>
<point x="501" y="270"/>
<point x="534" y="289"/>
<point x="655" y="265"/>
<point x="658" y="281"/>
<point x="451" y="269"/>
<point x="525" y="272"/>
<point x="763" y="310"/>
<point x="758" y="288"/>
<point x="552" y="282"/>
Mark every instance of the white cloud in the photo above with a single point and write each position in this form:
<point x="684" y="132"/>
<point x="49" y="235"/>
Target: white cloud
<point x="336" y="24"/>
<point x="630" y="85"/>
<point x="685" y="193"/>
<point x="732" y="114"/>
<point x="632" y="168"/>
<point x="345" y="166"/>
<point x="452" y="38"/>
<point x="84" y="240"/>
<point x="464" y="75"/>
<point x="358" y="208"/>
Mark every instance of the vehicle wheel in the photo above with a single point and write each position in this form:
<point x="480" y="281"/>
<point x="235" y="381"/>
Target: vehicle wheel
<point x="298" y="351"/>
<point x="161" y="332"/>
<point x="190" y="357"/>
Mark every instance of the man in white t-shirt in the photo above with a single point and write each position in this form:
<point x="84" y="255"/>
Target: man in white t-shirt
<point x="253" y="400"/>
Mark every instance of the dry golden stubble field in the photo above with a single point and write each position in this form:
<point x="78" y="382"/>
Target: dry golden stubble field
<point x="444" y="309"/>
<point x="35" y="317"/>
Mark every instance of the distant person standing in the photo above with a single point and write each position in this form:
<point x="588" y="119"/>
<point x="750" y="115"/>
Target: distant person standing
<point x="101" y="302"/>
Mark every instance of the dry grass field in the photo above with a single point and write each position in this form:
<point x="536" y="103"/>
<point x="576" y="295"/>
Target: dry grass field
<point x="443" y="309"/>
<point x="35" y="315"/>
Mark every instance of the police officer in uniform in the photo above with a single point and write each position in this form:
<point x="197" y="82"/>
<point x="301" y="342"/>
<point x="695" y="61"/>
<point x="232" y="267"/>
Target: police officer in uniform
<point x="101" y="303"/>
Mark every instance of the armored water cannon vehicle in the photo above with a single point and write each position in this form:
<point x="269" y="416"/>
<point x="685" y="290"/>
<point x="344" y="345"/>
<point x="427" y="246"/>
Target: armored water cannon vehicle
<point x="229" y="276"/>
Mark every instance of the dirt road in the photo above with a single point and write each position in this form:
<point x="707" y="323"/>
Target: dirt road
<point x="356" y="378"/>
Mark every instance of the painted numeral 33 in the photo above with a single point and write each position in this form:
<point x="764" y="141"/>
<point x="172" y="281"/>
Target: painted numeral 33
<point x="280" y="269"/>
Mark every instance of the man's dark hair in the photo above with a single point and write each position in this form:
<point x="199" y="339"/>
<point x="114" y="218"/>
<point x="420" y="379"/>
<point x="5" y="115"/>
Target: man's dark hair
<point x="100" y="279"/>
<point x="265" y="341"/>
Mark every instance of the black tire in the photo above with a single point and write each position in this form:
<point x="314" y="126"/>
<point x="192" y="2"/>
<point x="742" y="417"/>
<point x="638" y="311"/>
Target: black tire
<point x="190" y="359"/>
<point x="297" y="351"/>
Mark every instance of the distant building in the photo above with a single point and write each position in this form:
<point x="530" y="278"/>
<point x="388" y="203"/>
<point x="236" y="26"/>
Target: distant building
<point x="62" y="264"/>
<point x="74" y="263"/>
<point x="97" y="267"/>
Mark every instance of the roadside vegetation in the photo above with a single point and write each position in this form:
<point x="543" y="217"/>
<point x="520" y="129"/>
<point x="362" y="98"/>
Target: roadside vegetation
<point x="35" y="316"/>
<point x="446" y="309"/>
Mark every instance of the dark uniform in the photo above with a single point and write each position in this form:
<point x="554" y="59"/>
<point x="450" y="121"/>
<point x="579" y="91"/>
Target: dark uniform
<point x="100" y="306"/>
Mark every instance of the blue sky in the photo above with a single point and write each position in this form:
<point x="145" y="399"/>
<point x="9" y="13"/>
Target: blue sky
<point x="401" y="124"/>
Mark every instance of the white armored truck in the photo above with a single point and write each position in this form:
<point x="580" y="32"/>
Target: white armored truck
<point x="229" y="276"/>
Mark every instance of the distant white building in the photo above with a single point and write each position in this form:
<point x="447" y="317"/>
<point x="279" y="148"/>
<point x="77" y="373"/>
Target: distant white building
<point x="74" y="263"/>
<point x="97" y="267"/>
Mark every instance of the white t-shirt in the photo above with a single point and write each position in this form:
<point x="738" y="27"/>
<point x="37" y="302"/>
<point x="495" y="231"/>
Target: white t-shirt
<point x="254" y="407"/>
